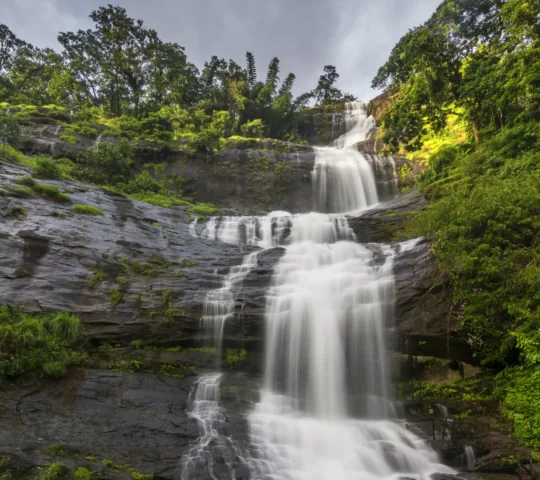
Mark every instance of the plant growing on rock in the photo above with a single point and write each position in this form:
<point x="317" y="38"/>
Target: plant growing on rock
<point x="86" y="210"/>
<point x="33" y="346"/>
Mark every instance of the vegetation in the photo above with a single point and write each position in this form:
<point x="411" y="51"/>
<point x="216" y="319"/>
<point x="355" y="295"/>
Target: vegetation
<point x="119" y="78"/>
<point x="466" y="103"/>
<point x="49" y="192"/>
<point x="55" y="471"/>
<point x="86" y="210"/>
<point x="36" y="345"/>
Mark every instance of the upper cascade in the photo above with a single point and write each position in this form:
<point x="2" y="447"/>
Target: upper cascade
<point x="343" y="178"/>
<point x="357" y="125"/>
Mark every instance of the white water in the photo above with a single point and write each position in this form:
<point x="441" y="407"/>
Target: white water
<point x="469" y="459"/>
<point x="325" y="411"/>
<point x="357" y="125"/>
<point x="214" y="442"/>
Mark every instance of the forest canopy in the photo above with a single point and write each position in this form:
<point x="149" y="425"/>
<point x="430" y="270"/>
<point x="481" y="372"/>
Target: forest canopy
<point x="122" y="69"/>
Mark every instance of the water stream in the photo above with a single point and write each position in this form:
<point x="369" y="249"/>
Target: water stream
<point x="325" y="410"/>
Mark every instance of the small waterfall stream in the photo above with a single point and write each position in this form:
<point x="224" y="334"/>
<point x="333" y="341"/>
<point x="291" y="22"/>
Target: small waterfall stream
<point x="325" y="411"/>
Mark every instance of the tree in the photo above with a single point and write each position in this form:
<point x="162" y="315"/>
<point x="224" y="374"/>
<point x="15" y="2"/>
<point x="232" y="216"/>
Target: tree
<point x="326" y="92"/>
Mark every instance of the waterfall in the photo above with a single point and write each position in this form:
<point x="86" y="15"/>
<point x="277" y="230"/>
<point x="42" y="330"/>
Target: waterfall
<point x="325" y="410"/>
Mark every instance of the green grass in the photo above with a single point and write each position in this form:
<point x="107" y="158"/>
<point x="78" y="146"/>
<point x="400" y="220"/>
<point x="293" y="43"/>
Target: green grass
<point x="203" y="209"/>
<point x="158" y="199"/>
<point x="43" y="190"/>
<point x="86" y="210"/>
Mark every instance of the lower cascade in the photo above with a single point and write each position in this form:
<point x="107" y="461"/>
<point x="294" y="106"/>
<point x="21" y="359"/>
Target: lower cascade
<point x="325" y="410"/>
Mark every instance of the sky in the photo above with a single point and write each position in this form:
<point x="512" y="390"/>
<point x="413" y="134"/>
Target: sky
<point x="356" y="36"/>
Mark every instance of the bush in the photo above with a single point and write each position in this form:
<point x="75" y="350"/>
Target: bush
<point x="46" y="167"/>
<point x="83" y="474"/>
<point x="55" y="471"/>
<point x="106" y="163"/>
<point x="36" y="345"/>
<point x="50" y="192"/>
<point x="208" y="140"/>
<point x="86" y="210"/>
<point x="520" y="390"/>
<point x="253" y="129"/>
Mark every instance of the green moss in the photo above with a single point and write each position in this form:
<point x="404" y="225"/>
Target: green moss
<point x="156" y="224"/>
<point x="86" y="210"/>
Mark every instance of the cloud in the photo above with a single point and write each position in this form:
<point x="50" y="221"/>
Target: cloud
<point x="354" y="35"/>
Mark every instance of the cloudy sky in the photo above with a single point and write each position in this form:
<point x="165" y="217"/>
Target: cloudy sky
<point x="354" y="35"/>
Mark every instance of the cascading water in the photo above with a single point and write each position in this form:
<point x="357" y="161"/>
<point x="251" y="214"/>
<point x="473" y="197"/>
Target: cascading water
<point x="325" y="411"/>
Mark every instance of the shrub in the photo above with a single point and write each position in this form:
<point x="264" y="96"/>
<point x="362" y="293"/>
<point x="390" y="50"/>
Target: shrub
<point x="37" y="345"/>
<point x="55" y="369"/>
<point x="83" y="474"/>
<point x="55" y="471"/>
<point x="106" y="163"/>
<point x="86" y="210"/>
<point x="253" y="129"/>
<point x="235" y="356"/>
<point x="46" y="167"/>
<point x="208" y="140"/>
<point x="144" y="183"/>
<point x="55" y="450"/>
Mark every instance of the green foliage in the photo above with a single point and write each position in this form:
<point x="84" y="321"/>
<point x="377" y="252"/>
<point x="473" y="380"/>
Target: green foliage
<point x="46" y="167"/>
<point x="37" y="345"/>
<point x="96" y="279"/>
<point x="55" y="450"/>
<point x="116" y="295"/>
<point x="477" y="59"/>
<point x="478" y="388"/>
<point x="86" y="210"/>
<point x="253" y="129"/>
<point x="55" y="471"/>
<point x="50" y="192"/>
<point x="485" y="212"/>
<point x="10" y="133"/>
<point x="203" y="209"/>
<point x="235" y="356"/>
<point x="69" y="139"/>
<point x="106" y="163"/>
<point x="83" y="474"/>
<point x="520" y="389"/>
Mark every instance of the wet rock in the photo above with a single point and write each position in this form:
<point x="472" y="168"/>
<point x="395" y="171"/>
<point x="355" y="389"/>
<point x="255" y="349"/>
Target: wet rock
<point x="137" y="419"/>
